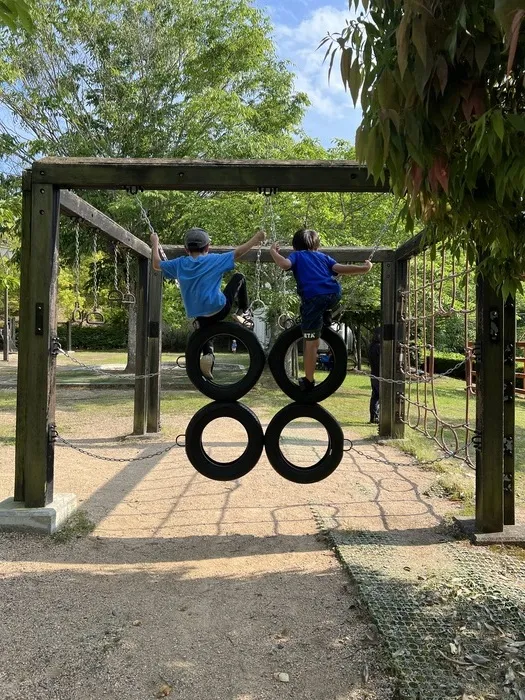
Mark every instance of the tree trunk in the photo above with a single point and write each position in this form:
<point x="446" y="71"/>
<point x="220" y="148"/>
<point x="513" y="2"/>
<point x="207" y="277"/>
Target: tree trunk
<point x="132" y="339"/>
<point x="358" y="345"/>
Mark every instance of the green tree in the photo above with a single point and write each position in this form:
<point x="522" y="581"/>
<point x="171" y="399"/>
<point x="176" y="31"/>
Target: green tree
<point x="152" y="78"/>
<point x="443" y="94"/>
<point x="15" y="14"/>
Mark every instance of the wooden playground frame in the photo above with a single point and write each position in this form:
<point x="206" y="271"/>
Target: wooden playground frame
<point x="46" y="196"/>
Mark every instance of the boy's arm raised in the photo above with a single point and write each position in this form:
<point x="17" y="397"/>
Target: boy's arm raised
<point x="352" y="269"/>
<point x="155" y="251"/>
<point x="278" y="259"/>
<point x="245" y="247"/>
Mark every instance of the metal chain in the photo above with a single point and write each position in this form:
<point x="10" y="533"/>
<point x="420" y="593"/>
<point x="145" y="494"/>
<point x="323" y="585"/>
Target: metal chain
<point x="95" y="275"/>
<point x="66" y="443"/>
<point x="128" y="291"/>
<point x="59" y="349"/>
<point x="77" y="263"/>
<point x="416" y="462"/>
<point x="147" y="220"/>
<point x="115" y="267"/>
<point x="423" y="380"/>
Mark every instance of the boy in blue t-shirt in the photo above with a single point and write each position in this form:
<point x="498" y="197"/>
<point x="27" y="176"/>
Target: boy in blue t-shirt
<point x="318" y="289"/>
<point x="200" y="275"/>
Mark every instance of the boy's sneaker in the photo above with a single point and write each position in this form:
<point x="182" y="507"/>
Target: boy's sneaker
<point x="206" y="363"/>
<point x="305" y="384"/>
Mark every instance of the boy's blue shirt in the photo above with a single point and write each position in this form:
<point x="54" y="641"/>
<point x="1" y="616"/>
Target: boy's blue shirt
<point x="200" y="280"/>
<point x="313" y="273"/>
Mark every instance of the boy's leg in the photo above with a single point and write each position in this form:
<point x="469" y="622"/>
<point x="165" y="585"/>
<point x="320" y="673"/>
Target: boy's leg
<point x="310" y="358"/>
<point x="236" y="291"/>
<point x="207" y="355"/>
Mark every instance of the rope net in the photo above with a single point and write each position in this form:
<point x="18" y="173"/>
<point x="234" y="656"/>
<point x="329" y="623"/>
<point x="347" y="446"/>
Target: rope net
<point x="438" y="310"/>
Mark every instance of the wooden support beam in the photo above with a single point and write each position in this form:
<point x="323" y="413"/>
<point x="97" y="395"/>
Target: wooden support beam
<point x="509" y="412"/>
<point x="154" y="350"/>
<point x="489" y="408"/>
<point x="140" y="404"/>
<point x="400" y="340"/>
<point x="24" y="334"/>
<point x="412" y="247"/>
<point x="340" y="254"/>
<point x="386" y="391"/>
<point x="71" y="205"/>
<point x="35" y="451"/>
<point x="214" y="175"/>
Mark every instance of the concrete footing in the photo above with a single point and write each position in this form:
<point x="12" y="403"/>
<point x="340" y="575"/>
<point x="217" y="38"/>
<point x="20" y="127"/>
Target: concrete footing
<point x="511" y="534"/>
<point x="15" y="517"/>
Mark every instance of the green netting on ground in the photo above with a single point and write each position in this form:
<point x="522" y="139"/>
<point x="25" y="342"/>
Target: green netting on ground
<point x="455" y="631"/>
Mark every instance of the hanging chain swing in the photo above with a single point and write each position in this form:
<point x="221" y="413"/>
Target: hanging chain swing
<point x="77" y="315"/>
<point x="115" y="296"/>
<point x="95" y="317"/>
<point x="129" y="297"/>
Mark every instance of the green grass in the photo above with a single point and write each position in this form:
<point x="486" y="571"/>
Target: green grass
<point x="349" y="406"/>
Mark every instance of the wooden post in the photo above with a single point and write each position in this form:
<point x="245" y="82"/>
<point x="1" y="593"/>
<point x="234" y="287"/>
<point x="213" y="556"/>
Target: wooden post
<point x="23" y="339"/>
<point x="154" y="350"/>
<point x="140" y="409"/>
<point x="400" y="340"/>
<point x="489" y="408"/>
<point x="509" y="410"/>
<point x="6" y="324"/>
<point x="37" y="364"/>
<point x="386" y="392"/>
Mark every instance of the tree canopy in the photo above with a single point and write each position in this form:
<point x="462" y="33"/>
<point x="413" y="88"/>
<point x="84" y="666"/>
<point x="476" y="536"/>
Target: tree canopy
<point x="152" y="78"/>
<point x="442" y="87"/>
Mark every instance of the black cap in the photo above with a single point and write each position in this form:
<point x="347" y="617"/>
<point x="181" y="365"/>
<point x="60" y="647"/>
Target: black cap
<point x="196" y="239"/>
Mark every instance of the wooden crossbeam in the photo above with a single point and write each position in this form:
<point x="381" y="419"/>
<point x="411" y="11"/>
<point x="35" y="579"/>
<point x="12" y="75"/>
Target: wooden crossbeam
<point x="72" y="205"/>
<point x="340" y="254"/>
<point x="212" y="175"/>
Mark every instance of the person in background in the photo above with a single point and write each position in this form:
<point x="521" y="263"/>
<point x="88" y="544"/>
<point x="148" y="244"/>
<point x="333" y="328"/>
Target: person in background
<point x="374" y="357"/>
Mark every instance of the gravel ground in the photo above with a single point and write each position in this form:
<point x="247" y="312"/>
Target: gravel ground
<point x="197" y="589"/>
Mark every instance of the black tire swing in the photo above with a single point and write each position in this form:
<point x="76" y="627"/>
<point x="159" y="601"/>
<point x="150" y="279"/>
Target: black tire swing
<point x="328" y="462"/>
<point x="224" y="392"/>
<point x="224" y="471"/>
<point x="321" y="391"/>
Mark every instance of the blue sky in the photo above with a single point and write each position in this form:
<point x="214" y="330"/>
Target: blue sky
<point x="299" y="26"/>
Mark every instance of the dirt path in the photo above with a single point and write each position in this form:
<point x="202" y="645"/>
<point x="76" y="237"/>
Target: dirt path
<point x="198" y="589"/>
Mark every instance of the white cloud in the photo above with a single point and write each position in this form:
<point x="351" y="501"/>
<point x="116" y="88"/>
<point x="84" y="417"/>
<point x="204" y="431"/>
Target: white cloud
<point x="298" y="43"/>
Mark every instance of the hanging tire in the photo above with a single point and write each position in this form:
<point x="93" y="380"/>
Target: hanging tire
<point x="321" y="391"/>
<point x="224" y="392"/>
<point x="326" y="465"/>
<point x="224" y="471"/>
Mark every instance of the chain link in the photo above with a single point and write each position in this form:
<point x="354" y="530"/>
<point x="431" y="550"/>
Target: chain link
<point x="60" y="350"/>
<point x="95" y="272"/>
<point x="148" y="223"/>
<point x="421" y="379"/>
<point x="66" y="443"/>
<point x="415" y="462"/>
<point x="128" y="289"/>
<point x="115" y="267"/>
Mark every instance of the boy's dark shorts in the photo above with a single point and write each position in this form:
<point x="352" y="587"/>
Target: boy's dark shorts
<point x="313" y="311"/>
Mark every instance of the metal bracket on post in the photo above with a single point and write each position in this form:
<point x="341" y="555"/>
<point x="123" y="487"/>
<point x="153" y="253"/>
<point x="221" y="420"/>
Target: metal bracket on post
<point x="477" y="442"/>
<point x="509" y="354"/>
<point x="508" y="445"/>
<point x="494" y="325"/>
<point x="134" y="189"/>
<point x="508" y="391"/>
<point x="267" y="191"/>
<point x="508" y="484"/>
<point x="52" y="434"/>
<point x="55" y="347"/>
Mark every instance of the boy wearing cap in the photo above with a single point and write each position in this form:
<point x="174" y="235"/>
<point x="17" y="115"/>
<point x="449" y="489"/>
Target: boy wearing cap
<point x="200" y="275"/>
